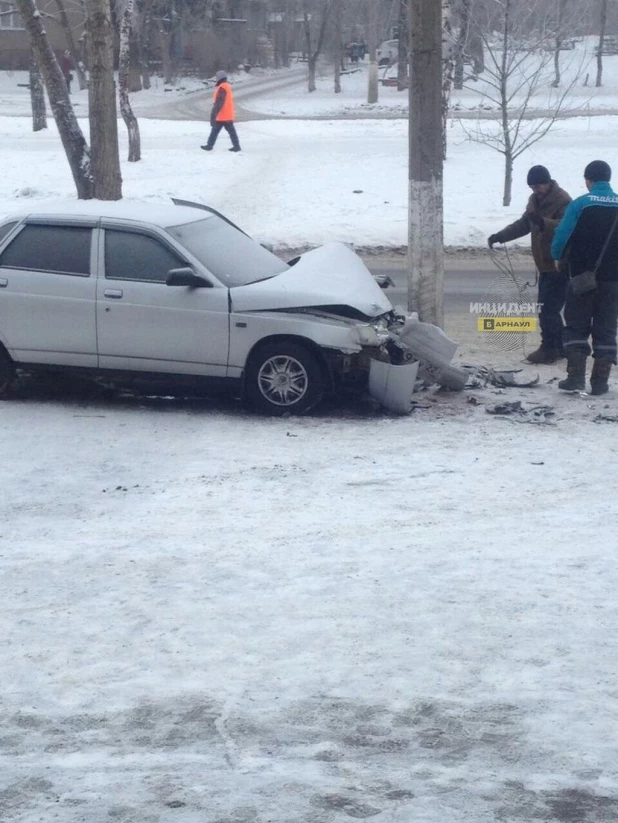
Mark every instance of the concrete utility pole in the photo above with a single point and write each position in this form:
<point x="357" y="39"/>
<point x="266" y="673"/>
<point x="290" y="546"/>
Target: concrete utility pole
<point x="425" y="207"/>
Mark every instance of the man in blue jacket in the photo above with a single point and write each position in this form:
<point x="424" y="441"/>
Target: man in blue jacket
<point x="578" y="242"/>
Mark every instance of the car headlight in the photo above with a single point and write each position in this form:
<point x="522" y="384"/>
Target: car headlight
<point x="374" y="334"/>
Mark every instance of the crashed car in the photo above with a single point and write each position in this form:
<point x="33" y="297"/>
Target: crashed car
<point x="176" y="295"/>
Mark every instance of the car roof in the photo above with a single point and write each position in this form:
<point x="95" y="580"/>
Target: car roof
<point x="163" y="215"/>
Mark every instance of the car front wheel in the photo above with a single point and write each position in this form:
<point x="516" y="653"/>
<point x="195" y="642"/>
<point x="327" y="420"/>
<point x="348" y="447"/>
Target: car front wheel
<point x="284" y="378"/>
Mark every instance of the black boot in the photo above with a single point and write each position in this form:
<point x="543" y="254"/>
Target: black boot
<point x="576" y="371"/>
<point x="600" y="375"/>
<point x="544" y="356"/>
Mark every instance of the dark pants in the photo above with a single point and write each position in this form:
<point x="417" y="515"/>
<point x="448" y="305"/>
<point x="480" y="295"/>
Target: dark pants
<point x="593" y="314"/>
<point x="229" y="127"/>
<point x="552" y="293"/>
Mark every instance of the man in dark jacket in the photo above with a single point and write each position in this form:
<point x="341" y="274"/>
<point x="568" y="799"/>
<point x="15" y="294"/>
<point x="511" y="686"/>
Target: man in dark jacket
<point x="222" y="114"/>
<point x="579" y="241"/>
<point x="546" y="206"/>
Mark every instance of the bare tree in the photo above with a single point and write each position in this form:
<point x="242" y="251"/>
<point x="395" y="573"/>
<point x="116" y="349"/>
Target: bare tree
<point x="124" y="60"/>
<point x="37" y="96"/>
<point x="372" y="29"/>
<point x="402" y="46"/>
<point x="72" y="48"/>
<point x="559" y="41"/>
<point x="602" y="28"/>
<point x="448" y="53"/>
<point x="73" y="141"/>
<point x="461" y="44"/>
<point x="315" y="34"/>
<point x="514" y="74"/>
<point x="338" y="38"/>
<point x="425" y="210"/>
<point x="102" y="103"/>
<point x="143" y="31"/>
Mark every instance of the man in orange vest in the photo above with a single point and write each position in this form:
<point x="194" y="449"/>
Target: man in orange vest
<point x="222" y="114"/>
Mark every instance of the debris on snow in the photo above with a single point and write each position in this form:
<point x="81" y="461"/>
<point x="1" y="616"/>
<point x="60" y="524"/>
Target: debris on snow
<point x="515" y="409"/>
<point x="500" y="378"/>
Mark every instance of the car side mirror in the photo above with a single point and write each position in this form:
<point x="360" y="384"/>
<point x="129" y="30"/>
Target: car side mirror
<point x="187" y="277"/>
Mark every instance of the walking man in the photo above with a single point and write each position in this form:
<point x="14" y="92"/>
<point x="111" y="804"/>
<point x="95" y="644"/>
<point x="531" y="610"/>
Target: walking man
<point x="222" y="114"/>
<point x="587" y="241"/>
<point x="545" y="209"/>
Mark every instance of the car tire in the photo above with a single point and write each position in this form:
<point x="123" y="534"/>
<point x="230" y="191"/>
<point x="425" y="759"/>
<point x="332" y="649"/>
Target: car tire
<point x="7" y="374"/>
<point x="284" y="378"/>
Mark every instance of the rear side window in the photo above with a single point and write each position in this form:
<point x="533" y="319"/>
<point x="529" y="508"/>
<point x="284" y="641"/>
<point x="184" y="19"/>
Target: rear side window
<point x="132" y="256"/>
<point x="58" y="249"/>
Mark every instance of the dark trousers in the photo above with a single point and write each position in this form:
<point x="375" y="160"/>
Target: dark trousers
<point x="593" y="314"/>
<point x="230" y="129"/>
<point x="552" y="294"/>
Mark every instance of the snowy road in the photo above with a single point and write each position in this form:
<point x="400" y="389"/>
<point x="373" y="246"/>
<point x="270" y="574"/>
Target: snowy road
<point x="210" y="617"/>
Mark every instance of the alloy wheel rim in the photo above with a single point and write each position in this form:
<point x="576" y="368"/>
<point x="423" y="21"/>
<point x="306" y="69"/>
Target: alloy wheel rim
<point x="283" y="380"/>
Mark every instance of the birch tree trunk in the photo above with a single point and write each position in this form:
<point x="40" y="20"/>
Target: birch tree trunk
<point x="37" y="96"/>
<point x="102" y="103"/>
<point x="73" y="141"/>
<point x="426" y="160"/>
<point x="68" y="33"/>
<point x="128" y="116"/>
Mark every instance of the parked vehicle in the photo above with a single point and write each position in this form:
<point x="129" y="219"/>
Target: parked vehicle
<point x="388" y="52"/>
<point x="178" y="296"/>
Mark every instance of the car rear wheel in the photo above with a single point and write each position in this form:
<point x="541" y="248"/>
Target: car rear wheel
<point x="284" y="378"/>
<point x="7" y="374"/>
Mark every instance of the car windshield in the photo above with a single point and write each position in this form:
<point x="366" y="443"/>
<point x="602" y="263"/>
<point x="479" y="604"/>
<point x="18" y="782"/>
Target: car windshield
<point x="230" y="255"/>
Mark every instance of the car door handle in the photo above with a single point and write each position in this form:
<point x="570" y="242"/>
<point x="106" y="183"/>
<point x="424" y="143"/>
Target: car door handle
<point x="114" y="294"/>
<point x="3" y="282"/>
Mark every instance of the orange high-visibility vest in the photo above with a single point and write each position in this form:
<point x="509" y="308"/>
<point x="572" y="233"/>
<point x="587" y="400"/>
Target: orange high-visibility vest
<point x="227" y="111"/>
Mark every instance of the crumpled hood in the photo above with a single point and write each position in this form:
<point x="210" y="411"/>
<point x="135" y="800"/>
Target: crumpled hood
<point x="332" y="275"/>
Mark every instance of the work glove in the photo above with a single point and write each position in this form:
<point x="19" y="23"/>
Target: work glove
<point x="536" y="220"/>
<point x="491" y="240"/>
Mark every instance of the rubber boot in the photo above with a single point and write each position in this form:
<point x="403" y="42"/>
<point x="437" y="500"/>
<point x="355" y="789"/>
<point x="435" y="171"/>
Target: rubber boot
<point x="544" y="356"/>
<point x="600" y="375"/>
<point x="576" y="372"/>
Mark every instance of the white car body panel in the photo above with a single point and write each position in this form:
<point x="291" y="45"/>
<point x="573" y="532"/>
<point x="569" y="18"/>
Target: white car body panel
<point x="49" y="318"/>
<point x="247" y="329"/>
<point x="332" y="275"/>
<point x="159" y="328"/>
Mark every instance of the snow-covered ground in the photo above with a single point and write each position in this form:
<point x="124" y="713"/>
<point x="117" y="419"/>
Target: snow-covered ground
<point x="308" y="182"/>
<point x="209" y="616"/>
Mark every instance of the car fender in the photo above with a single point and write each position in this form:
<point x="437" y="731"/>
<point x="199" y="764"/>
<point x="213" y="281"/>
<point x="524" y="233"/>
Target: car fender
<point x="248" y="329"/>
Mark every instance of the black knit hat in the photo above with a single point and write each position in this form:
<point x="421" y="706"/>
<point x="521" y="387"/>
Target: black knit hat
<point x="538" y="174"/>
<point x="598" y="171"/>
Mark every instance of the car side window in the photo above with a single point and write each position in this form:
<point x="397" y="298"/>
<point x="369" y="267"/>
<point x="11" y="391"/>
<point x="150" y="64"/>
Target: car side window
<point x="57" y="249"/>
<point x="135" y="256"/>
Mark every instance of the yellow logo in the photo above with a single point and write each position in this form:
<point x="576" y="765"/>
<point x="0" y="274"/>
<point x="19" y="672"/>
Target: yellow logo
<point x="520" y="324"/>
